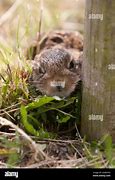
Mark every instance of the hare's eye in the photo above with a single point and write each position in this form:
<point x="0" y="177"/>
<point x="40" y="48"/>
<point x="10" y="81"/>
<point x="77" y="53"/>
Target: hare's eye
<point x="41" y="70"/>
<point x="71" y="65"/>
<point x="57" y="40"/>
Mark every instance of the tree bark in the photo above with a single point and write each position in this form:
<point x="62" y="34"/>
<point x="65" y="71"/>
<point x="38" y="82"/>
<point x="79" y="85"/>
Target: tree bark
<point x="98" y="100"/>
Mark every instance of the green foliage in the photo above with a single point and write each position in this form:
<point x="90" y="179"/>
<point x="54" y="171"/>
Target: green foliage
<point x="41" y="116"/>
<point x="10" y="150"/>
<point x="103" y="148"/>
<point x="63" y="119"/>
<point x="25" y="122"/>
<point x="45" y="112"/>
<point x="13" y="160"/>
<point x="108" y="147"/>
<point x="40" y="102"/>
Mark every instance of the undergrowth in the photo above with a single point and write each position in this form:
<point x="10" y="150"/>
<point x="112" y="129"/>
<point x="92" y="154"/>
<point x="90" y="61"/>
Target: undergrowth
<point x="21" y="102"/>
<point x="45" y="118"/>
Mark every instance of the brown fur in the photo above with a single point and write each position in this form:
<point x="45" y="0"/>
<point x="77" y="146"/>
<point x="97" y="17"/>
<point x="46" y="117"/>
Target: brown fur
<point x="56" y="71"/>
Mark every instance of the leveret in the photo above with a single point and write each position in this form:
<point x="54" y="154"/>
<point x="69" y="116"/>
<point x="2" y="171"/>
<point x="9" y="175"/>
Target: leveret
<point x="56" y="72"/>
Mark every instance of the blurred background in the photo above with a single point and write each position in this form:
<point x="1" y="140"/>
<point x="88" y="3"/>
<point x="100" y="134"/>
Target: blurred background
<point x="20" y="19"/>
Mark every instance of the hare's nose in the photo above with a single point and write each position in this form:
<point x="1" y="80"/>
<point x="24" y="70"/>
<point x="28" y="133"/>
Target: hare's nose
<point x="59" y="87"/>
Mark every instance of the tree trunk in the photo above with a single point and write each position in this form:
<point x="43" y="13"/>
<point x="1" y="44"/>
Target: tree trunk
<point x="98" y="100"/>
